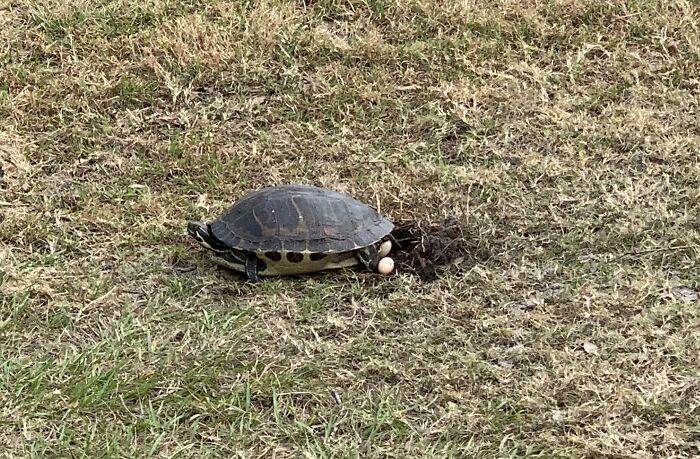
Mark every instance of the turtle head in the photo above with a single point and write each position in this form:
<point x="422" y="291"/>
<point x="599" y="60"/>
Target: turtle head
<point x="200" y="232"/>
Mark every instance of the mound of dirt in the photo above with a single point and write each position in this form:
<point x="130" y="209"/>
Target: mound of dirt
<point x="426" y="251"/>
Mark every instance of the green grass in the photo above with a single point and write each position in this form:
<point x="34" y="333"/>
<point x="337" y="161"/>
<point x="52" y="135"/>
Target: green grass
<point x="561" y="136"/>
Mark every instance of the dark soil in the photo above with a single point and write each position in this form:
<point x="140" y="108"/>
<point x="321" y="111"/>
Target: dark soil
<point x="429" y="250"/>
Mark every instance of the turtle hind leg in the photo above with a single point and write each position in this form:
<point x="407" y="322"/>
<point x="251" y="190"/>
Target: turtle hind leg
<point x="251" y="268"/>
<point x="369" y="257"/>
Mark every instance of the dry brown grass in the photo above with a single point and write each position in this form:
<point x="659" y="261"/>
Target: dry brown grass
<point x="562" y="136"/>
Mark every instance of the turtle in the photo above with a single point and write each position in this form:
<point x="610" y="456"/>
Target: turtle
<point x="297" y="229"/>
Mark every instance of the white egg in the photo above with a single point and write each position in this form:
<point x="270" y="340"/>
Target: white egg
<point x="386" y="265"/>
<point x="385" y="248"/>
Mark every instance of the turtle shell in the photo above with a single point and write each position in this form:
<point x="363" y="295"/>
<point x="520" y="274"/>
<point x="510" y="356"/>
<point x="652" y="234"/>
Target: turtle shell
<point x="299" y="218"/>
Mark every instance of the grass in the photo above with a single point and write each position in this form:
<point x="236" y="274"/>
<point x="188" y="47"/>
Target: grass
<point x="562" y="136"/>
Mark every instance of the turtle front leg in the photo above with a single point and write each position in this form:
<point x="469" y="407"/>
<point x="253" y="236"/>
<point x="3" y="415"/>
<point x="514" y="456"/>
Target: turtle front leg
<point x="251" y="268"/>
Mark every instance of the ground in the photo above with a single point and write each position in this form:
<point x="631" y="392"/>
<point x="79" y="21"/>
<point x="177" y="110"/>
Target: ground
<point x="552" y="147"/>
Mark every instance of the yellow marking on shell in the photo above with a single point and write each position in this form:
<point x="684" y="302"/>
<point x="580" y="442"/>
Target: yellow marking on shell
<point x="283" y="266"/>
<point x="263" y="228"/>
<point x="301" y="223"/>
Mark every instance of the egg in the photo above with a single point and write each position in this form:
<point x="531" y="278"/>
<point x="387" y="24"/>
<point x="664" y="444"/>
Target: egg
<point x="385" y="248"/>
<point x="386" y="265"/>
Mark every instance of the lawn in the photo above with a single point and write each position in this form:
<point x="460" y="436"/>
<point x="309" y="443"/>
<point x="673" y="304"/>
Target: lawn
<point x="558" y="141"/>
